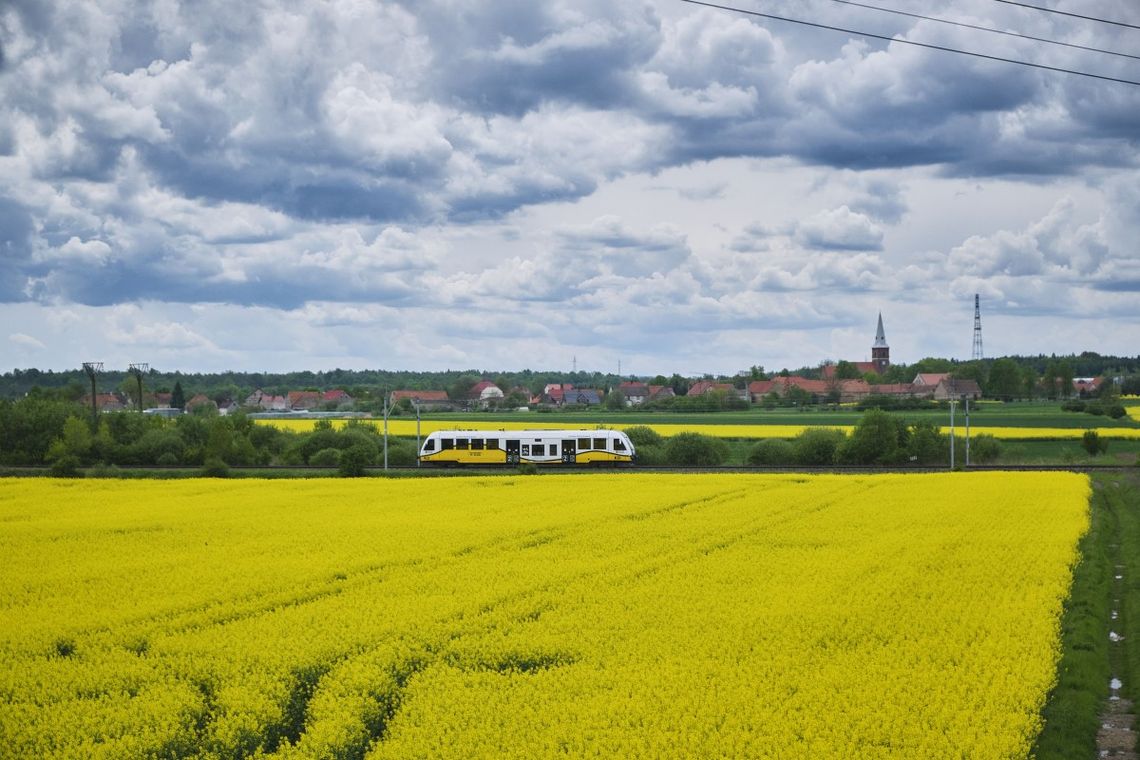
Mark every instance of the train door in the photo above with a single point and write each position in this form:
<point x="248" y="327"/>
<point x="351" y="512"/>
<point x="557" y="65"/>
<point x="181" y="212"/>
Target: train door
<point x="569" y="451"/>
<point x="512" y="452"/>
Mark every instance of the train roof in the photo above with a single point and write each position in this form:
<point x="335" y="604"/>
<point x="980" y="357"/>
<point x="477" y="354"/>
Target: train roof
<point x="549" y="431"/>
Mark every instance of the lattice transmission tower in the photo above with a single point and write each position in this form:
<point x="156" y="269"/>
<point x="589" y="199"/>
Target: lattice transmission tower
<point x="977" y="354"/>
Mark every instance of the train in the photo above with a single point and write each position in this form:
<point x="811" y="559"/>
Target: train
<point x="452" y="448"/>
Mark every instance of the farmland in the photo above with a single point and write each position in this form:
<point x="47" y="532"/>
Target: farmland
<point x="620" y="615"/>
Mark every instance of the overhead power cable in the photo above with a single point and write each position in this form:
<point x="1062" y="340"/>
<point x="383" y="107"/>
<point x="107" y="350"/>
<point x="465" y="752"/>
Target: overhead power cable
<point x="985" y="29"/>
<point x="902" y="41"/>
<point x="1066" y="13"/>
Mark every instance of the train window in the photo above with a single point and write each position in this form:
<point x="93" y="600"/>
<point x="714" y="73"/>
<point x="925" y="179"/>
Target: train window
<point x="492" y="443"/>
<point x="619" y="445"/>
<point x="583" y="444"/>
<point x="429" y="444"/>
<point x="600" y="443"/>
<point x="554" y="449"/>
<point x="446" y="443"/>
<point x="538" y="449"/>
<point x="526" y="450"/>
<point x="477" y="443"/>
<point x="461" y="443"/>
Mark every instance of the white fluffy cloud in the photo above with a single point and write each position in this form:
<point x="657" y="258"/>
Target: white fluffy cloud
<point x="346" y="176"/>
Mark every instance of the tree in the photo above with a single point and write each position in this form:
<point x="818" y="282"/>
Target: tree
<point x="817" y="447"/>
<point x="845" y="370"/>
<point x="615" y="400"/>
<point x="178" y="396"/>
<point x="879" y="438"/>
<point x="972" y="371"/>
<point x="1005" y="382"/>
<point x="696" y="450"/>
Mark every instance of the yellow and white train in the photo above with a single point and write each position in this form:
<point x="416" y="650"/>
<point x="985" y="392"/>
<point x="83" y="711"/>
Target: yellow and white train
<point x="449" y="448"/>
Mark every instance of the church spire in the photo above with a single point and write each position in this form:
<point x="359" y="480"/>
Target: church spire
<point x="880" y="351"/>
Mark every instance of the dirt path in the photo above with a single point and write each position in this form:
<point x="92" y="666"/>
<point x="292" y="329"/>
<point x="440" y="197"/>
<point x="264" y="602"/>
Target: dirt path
<point x="1116" y="740"/>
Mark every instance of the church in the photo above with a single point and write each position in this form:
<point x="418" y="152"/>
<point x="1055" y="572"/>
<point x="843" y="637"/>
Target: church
<point x="880" y="356"/>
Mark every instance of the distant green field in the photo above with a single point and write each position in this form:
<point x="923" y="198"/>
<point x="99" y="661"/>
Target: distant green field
<point x="985" y="414"/>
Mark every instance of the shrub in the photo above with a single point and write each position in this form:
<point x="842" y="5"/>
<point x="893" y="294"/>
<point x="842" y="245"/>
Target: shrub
<point x="817" y="447"/>
<point x="642" y="435"/>
<point x="325" y="458"/>
<point x="1093" y="443"/>
<point x="1116" y="411"/>
<point x="984" y="448"/>
<point x="214" y="467"/>
<point x="66" y="466"/>
<point x="650" y="455"/>
<point x="771" y="451"/>
<point x="401" y="453"/>
<point x="927" y="445"/>
<point x="168" y="460"/>
<point x="879" y="438"/>
<point x="1073" y="406"/>
<point x="354" y="460"/>
<point x="696" y="450"/>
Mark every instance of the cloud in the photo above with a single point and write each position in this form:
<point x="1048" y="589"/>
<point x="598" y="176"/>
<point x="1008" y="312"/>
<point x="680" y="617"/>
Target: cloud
<point x="840" y="229"/>
<point x="26" y="342"/>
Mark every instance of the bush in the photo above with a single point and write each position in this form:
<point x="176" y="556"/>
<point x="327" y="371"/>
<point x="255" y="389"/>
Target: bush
<point x="1073" y="406"/>
<point x="66" y="466"/>
<point x="168" y="460"/>
<point x="1093" y="443"/>
<point x="984" y="449"/>
<point x="354" y="460"/>
<point x="401" y="453"/>
<point x="642" y="435"/>
<point x="879" y="438"/>
<point x="771" y="451"/>
<point x="649" y="455"/>
<point x="816" y="447"/>
<point x="325" y="458"/>
<point x="1116" y="411"/>
<point x="927" y="445"/>
<point x="697" y="450"/>
<point x="215" y="468"/>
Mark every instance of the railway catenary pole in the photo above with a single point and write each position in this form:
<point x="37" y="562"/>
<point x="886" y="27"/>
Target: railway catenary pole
<point x="966" y="404"/>
<point x="416" y="404"/>
<point x="951" y="434"/>
<point x="385" y="430"/>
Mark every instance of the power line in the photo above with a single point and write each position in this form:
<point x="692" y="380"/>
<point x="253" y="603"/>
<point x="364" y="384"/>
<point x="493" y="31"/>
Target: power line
<point x="1066" y="13"/>
<point x="985" y="29"/>
<point x="912" y="42"/>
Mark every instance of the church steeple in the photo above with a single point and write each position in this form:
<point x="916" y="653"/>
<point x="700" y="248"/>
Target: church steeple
<point x="880" y="351"/>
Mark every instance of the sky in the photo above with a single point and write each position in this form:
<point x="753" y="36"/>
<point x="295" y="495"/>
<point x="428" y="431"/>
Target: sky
<point x="656" y="186"/>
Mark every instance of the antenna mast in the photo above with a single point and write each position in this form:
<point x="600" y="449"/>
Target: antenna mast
<point x="977" y="353"/>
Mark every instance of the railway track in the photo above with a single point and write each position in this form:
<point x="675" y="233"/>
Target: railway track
<point x="282" y="470"/>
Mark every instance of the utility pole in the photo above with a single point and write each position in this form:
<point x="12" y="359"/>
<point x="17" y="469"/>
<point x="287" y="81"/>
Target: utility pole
<point x="138" y="370"/>
<point x="92" y="369"/>
<point x="951" y="434"/>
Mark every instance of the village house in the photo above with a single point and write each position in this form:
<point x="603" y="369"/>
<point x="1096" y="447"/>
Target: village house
<point x="303" y="401"/>
<point x="635" y="393"/>
<point x="426" y="399"/>
<point x="485" y="393"/>
<point x="949" y="388"/>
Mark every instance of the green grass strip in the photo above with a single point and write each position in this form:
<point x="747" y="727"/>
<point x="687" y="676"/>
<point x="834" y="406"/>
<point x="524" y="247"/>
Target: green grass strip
<point x="1072" y="711"/>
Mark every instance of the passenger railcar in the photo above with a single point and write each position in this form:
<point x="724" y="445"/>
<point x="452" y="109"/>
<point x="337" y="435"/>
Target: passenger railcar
<point x="448" y="448"/>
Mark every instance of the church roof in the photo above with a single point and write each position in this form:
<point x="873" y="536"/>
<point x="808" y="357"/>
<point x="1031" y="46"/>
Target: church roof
<point x="880" y="336"/>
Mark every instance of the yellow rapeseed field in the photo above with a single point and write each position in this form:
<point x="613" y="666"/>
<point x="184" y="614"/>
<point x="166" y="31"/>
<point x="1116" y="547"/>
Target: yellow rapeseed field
<point x="405" y="427"/>
<point x="609" y="615"/>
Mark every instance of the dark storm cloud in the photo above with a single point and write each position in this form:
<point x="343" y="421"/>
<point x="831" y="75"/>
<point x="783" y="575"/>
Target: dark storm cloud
<point x="16" y="229"/>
